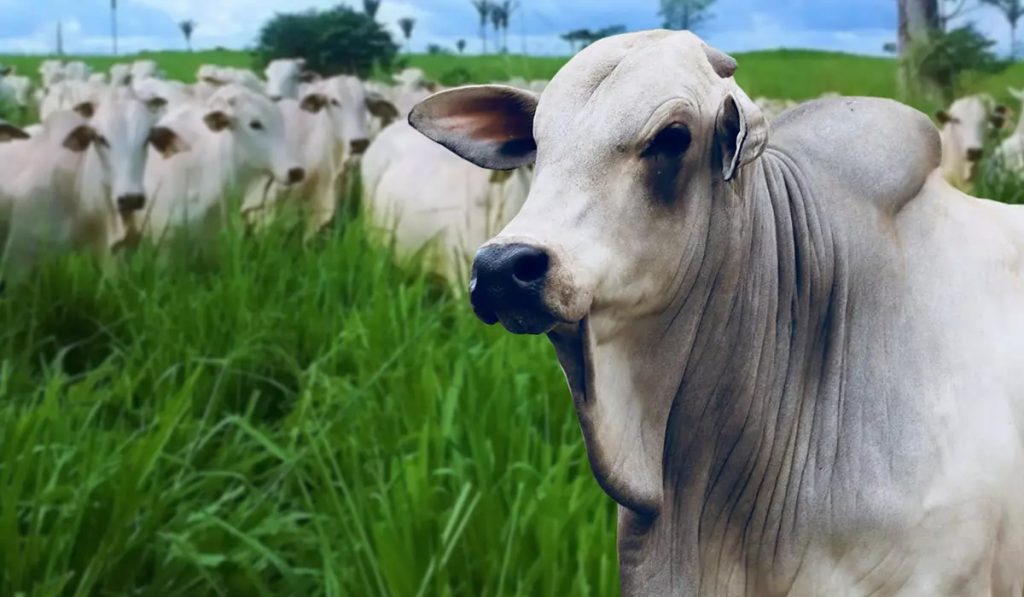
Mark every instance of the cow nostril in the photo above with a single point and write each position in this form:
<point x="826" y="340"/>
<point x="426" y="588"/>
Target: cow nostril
<point x="131" y="202"/>
<point x="296" y="175"/>
<point x="530" y="267"/>
<point x="359" y="146"/>
<point x="974" y="154"/>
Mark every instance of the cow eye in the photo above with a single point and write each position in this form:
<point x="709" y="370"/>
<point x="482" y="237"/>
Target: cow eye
<point x="256" y="125"/>
<point x="672" y="141"/>
<point x="335" y="102"/>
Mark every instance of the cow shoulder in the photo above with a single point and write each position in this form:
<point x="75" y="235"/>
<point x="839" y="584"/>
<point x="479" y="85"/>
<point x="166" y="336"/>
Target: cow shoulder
<point x="876" y="149"/>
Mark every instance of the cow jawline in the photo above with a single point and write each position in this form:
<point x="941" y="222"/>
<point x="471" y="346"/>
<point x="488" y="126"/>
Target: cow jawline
<point x="572" y="346"/>
<point x="575" y="349"/>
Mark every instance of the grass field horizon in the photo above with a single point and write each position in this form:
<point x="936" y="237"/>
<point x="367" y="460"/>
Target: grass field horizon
<point x="795" y="74"/>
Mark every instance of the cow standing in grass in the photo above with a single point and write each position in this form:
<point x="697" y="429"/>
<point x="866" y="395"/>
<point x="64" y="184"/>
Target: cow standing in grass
<point x="795" y="351"/>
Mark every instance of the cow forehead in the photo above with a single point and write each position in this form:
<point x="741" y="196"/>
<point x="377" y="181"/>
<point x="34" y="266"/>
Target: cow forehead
<point x="609" y="91"/>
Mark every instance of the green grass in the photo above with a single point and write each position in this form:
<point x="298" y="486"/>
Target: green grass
<point x="268" y="418"/>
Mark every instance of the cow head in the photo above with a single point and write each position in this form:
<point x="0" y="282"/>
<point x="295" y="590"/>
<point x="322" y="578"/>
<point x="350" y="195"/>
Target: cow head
<point x="126" y="125"/>
<point x="966" y="126"/>
<point x="638" y="142"/>
<point x="629" y="141"/>
<point x="350" y="98"/>
<point x="257" y="127"/>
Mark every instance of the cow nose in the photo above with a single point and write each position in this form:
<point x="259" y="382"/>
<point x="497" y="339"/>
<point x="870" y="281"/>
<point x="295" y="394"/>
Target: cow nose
<point x="974" y="154"/>
<point x="508" y="286"/>
<point x="296" y="175"/>
<point x="131" y="202"/>
<point x="359" y="146"/>
<point x="275" y="98"/>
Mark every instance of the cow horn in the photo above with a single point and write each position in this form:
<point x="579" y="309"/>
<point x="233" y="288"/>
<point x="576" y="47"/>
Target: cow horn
<point x="724" y="64"/>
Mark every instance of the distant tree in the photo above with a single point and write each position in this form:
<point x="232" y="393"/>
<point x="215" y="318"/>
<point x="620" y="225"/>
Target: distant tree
<point x="577" y="36"/>
<point x="407" y="24"/>
<point x="1012" y="11"/>
<point x="187" y="29"/>
<point x="685" y="14"/>
<point x="506" y="9"/>
<point x="461" y="46"/>
<point x="336" y="41"/>
<point x="437" y="50"/>
<point x="370" y="7"/>
<point x="483" y="8"/>
<point x="497" y="20"/>
<point x="113" y="24"/>
<point x="944" y="57"/>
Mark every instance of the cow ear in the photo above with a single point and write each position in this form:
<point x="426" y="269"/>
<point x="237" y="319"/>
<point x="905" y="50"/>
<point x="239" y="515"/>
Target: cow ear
<point x="85" y="110"/>
<point x="943" y="117"/>
<point x="80" y="139"/>
<point x="488" y="125"/>
<point x="217" y="121"/>
<point x="9" y="132"/>
<point x="741" y="133"/>
<point x="166" y="141"/>
<point x="314" y="102"/>
<point x="6" y="70"/>
<point x="309" y="77"/>
<point x="381" y="107"/>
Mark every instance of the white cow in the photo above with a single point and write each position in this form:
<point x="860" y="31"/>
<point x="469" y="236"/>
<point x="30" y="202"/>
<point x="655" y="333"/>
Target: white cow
<point x="41" y="211"/>
<point x="16" y="90"/>
<point x="426" y="197"/>
<point x="285" y="76"/>
<point x="114" y="178"/>
<point x="210" y="78"/>
<point x="1010" y="153"/>
<point x="795" y="350"/>
<point x="51" y="72"/>
<point x="77" y="71"/>
<point x="121" y="75"/>
<point x="145" y="69"/>
<point x="965" y="127"/>
<point x="69" y="95"/>
<point x="205" y="151"/>
<point x="172" y="93"/>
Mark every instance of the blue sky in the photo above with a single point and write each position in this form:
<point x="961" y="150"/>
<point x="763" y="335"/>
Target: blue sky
<point x="860" y="26"/>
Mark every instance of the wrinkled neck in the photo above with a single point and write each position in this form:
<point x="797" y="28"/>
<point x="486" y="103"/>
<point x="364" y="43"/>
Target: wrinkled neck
<point x="760" y="340"/>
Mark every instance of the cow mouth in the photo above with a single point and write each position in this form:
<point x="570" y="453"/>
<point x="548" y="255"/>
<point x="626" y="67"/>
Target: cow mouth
<point x="574" y="349"/>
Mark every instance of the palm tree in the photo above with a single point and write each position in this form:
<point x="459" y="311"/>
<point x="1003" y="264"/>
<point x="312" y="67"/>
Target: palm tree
<point x="507" y="8"/>
<point x="187" y="28"/>
<point x="1012" y="10"/>
<point x="497" y="19"/>
<point x="461" y="46"/>
<point x="113" y="24"/>
<point x="407" y="24"/>
<point x="483" y="8"/>
<point x="370" y="7"/>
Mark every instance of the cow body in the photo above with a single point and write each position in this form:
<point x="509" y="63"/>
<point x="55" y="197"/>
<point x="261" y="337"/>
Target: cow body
<point x="424" y="196"/>
<point x="794" y="351"/>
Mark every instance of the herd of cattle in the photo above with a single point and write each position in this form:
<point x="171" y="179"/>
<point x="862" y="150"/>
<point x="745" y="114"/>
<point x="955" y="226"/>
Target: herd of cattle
<point x="128" y="155"/>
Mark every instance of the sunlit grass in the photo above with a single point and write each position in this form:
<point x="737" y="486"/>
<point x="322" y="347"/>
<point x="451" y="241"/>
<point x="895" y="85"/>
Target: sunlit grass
<point x="269" y="418"/>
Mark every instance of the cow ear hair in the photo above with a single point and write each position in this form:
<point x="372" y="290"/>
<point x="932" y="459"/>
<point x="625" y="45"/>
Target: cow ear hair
<point x="488" y="125"/>
<point x="741" y="133"/>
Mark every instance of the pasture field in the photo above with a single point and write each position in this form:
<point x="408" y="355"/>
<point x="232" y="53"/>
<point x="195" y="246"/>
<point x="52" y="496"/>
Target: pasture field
<point x="782" y="74"/>
<point x="268" y="417"/>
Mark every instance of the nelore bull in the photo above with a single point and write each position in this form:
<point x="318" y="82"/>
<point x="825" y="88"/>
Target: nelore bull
<point x="796" y="352"/>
